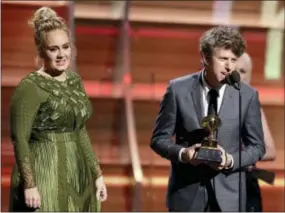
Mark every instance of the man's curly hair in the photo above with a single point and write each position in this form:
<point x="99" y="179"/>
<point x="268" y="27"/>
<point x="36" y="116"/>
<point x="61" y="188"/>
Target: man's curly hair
<point x="222" y="37"/>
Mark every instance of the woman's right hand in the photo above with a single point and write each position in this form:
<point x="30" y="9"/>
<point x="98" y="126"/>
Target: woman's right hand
<point x="32" y="197"/>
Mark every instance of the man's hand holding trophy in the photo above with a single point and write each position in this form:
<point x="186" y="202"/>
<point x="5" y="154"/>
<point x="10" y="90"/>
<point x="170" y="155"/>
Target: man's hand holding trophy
<point x="209" y="151"/>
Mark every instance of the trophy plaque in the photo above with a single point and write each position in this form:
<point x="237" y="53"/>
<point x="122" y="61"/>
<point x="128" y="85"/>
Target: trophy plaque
<point x="209" y="151"/>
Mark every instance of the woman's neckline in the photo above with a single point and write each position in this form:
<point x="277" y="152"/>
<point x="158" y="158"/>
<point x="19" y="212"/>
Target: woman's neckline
<point x="47" y="76"/>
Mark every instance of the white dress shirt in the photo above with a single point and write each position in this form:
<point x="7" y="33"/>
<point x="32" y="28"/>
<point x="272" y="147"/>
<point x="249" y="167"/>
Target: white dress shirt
<point x="206" y="98"/>
<point x="205" y="101"/>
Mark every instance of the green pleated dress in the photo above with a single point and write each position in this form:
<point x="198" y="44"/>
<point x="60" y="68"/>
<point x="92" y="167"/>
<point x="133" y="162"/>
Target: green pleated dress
<point x="52" y="148"/>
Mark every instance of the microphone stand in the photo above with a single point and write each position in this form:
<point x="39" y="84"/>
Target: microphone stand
<point x="240" y="148"/>
<point x="234" y="80"/>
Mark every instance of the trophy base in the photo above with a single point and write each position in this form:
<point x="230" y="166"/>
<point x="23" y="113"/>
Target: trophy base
<point x="209" y="154"/>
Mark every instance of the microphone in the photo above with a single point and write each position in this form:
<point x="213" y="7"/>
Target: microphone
<point x="233" y="79"/>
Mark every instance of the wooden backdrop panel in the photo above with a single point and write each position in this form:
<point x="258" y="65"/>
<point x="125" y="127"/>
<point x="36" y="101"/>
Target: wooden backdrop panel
<point x="246" y="7"/>
<point x="161" y="53"/>
<point x="237" y="7"/>
<point x="106" y="128"/>
<point x="203" y="5"/>
<point x="96" y="44"/>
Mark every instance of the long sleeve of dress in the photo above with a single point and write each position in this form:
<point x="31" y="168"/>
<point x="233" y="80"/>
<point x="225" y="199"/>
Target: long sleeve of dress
<point x="24" y="106"/>
<point x="89" y="154"/>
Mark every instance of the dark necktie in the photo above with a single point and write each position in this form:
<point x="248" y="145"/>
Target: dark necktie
<point x="213" y="103"/>
<point x="212" y="204"/>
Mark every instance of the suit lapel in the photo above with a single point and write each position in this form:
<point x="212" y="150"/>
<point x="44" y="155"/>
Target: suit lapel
<point x="228" y="103"/>
<point x="197" y="98"/>
<point x="228" y="106"/>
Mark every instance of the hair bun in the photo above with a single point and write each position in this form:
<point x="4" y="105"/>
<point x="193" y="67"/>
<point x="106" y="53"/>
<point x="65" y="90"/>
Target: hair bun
<point x="43" y="14"/>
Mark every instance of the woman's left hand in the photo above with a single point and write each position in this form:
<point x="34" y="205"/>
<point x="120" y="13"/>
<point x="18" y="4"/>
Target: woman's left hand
<point x="101" y="190"/>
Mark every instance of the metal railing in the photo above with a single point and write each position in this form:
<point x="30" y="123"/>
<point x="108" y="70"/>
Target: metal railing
<point x="122" y="75"/>
<point x="134" y="153"/>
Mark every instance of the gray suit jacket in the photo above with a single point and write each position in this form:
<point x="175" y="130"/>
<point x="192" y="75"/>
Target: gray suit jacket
<point x="180" y="114"/>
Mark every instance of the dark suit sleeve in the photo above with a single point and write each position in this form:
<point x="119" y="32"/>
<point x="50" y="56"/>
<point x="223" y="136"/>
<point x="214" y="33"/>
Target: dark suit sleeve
<point x="252" y="136"/>
<point x="161" y="141"/>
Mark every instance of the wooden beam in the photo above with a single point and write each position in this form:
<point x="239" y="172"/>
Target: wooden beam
<point x="36" y="3"/>
<point x="169" y="15"/>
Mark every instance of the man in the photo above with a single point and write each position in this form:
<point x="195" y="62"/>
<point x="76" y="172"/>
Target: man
<point x="254" y="201"/>
<point x="194" y="185"/>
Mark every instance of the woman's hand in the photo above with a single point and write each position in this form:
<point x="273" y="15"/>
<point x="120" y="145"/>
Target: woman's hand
<point x="32" y="197"/>
<point x="101" y="191"/>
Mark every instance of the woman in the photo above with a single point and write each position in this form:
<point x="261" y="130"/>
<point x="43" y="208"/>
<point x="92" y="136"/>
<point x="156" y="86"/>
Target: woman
<point x="254" y="200"/>
<point x="56" y="169"/>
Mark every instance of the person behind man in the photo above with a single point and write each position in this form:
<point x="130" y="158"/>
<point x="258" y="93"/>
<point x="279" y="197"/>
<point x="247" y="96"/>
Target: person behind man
<point x="194" y="185"/>
<point x="254" y="201"/>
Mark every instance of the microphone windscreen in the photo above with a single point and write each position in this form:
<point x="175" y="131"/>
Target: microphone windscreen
<point x="228" y="80"/>
<point x="235" y="77"/>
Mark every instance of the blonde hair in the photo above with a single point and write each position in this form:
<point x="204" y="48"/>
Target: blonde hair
<point x="43" y="21"/>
